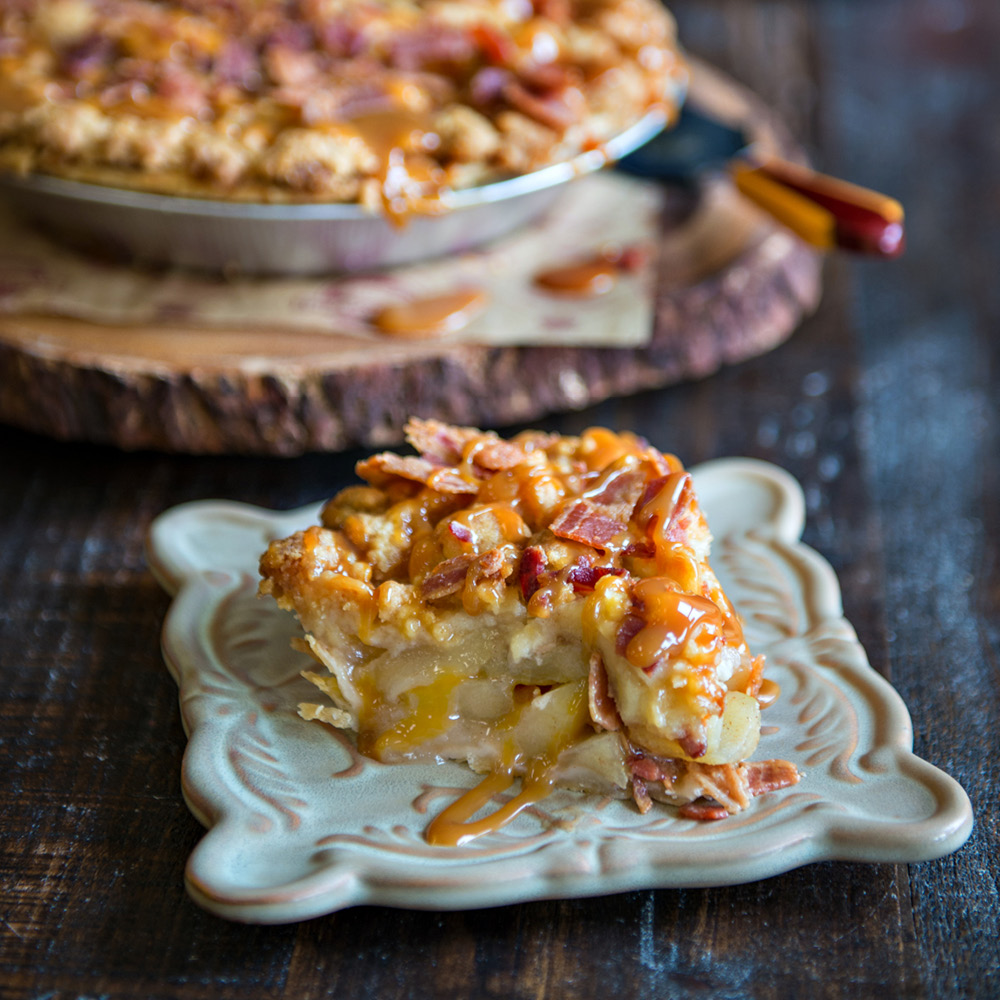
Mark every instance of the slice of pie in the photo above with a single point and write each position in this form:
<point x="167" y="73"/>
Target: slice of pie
<point x="540" y="607"/>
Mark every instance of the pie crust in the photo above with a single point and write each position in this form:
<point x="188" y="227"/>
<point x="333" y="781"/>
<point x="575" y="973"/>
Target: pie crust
<point x="540" y="607"/>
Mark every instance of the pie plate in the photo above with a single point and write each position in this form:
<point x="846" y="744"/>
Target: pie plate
<point x="299" y="824"/>
<point x="300" y="239"/>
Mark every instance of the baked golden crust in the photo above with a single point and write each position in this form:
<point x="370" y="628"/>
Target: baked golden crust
<point x="540" y="606"/>
<point x="381" y="102"/>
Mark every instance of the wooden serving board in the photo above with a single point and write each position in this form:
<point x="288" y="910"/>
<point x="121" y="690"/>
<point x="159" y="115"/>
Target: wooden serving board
<point x="731" y="285"/>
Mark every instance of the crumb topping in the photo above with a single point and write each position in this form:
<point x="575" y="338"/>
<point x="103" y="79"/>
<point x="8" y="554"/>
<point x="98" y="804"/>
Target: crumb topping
<point x="382" y="102"/>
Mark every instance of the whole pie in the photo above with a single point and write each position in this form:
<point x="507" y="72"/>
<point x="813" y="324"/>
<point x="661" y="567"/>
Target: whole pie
<point x="540" y="607"/>
<point x="383" y="102"/>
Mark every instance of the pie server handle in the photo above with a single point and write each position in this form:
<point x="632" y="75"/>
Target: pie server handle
<point x="822" y="210"/>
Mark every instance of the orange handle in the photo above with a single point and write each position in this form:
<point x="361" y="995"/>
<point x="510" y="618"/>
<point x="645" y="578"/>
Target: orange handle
<point x="824" y="211"/>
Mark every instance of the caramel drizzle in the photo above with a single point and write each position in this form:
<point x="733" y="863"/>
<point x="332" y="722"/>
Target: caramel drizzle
<point x="452" y="827"/>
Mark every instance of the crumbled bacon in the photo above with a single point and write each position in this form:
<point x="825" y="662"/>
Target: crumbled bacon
<point x="584" y="576"/>
<point x="86" y="56"/>
<point x="432" y="46"/>
<point x="641" y="794"/>
<point x="693" y="744"/>
<point x="447" y="577"/>
<point x="621" y="490"/>
<point x="499" y="455"/>
<point x="487" y="85"/>
<point x="703" y="809"/>
<point x="292" y="34"/>
<point x="557" y="11"/>
<point x="381" y="469"/>
<point x="494" y="565"/>
<point x="603" y="710"/>
<point x="661" y="769"/>
<point x="340" y="38"/>
<point x="459" y="531"/>
<point x="533" y="561"/>
<point x="545" y="79"/>
<point x="237" y="63"/>
<point x="182" y="89"/>
<point x="631" y="625"/>
<point x="770" y="775"/>
<point x="497" y="47"/>
<point x="725" y="788"/>
<point x="557" y="111"/>
<point x="604" y="513"/>
<point x="438" y="441"/>
<point x="584" y="521"/>
<point x="641" y="550"/>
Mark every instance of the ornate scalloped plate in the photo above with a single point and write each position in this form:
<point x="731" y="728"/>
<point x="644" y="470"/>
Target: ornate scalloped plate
<point x="299" y="824"/>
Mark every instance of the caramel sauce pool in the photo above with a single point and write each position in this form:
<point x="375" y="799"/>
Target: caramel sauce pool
<point x="584" y="280"/>
<point x="431" y="317"/>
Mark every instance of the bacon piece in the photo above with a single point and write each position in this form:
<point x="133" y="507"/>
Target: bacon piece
<point x="533" y="561"/>
<point x="556" y="111"/>
<point x="641" y="795"/>
<point x="90" y="54"/>
<point x="545" y="79"/>
<point x="459" y="531"/>
<point x="441" y="442"/>
<point x="432" y="46"/>
<point x="182" y="90"/>
<point x="559" y="11"/>
<point x="641" y="550"/>
<point x="498" y="455"/>
<point x="491" y="565"/>
<point x="703" y="809"/>
<point x="585" y="521"/>
<point x="447" y="577"/>
<point x="381" y="469"/>
<point x="604" y="512"/>
<point x="631" y="626"/>
<point x="487" y="86"/>
<point x="723" y="789"/>
<point x="584" y="576"/>
<point x="620" y="491"/>
<point x="769" y="775"/>
<point x="693" y="746"/>
<point x="237" y="63"/>
<point x="495" y="45"/>
<point x="726" y="784"/>
<point x="292" y="34"/>
<point x="663" y="769"/>
<point x="603" y="710"/>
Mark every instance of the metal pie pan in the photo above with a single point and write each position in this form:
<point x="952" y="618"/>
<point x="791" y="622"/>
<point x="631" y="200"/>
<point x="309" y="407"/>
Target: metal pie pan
<point x="253" y="238"/>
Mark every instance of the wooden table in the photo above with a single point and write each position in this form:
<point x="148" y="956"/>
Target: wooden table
<point x="884" y="406"/>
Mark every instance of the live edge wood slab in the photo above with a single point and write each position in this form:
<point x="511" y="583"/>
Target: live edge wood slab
<point x="731" y="285"/>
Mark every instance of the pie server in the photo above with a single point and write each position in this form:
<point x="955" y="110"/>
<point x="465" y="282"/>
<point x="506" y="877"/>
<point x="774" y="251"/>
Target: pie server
<point x="822" y="210"/>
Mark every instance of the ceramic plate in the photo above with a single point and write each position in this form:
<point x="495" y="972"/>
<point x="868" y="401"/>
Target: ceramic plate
<point x="299" y="824"/>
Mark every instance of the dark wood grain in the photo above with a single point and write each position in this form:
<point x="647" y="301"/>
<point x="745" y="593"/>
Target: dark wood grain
<point x="884" y="405"/>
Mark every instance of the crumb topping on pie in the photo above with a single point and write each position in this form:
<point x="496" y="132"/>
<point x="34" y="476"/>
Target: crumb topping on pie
<point x="540" y="607"/>
<point x="382" y="102"/>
